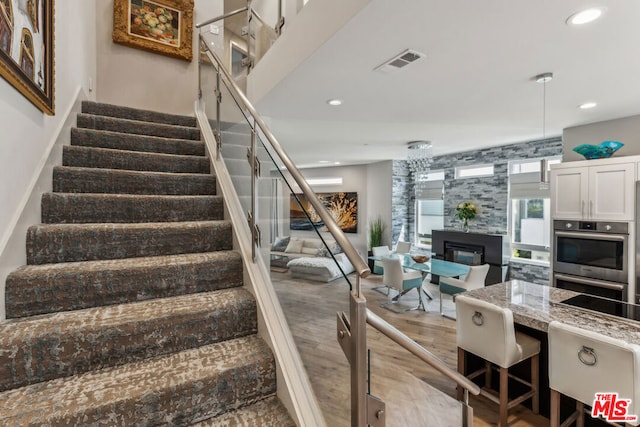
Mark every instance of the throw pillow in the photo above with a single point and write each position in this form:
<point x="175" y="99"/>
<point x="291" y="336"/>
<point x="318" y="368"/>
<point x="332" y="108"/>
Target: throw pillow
<point x="294" y="246"/>
<point x="323" y="252"/>
<point x="336" y="248"/>
<point x="280" y="244"/>
<point x="309" y="251"/>
<point x="333" y="247"/>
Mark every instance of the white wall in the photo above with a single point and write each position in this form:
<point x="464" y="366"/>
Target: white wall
<point x="140" y="79"/>
<point x="28" y="135"/>
<point x="312" y="27"/>
<point x="625" y="130"/>
<point x="380" y="185"/>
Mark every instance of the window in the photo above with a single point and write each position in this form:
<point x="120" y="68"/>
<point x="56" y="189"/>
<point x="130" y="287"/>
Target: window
<point x="474" y="171"/>
<point x="429" y="211"/>
<point x="530" y="206"/>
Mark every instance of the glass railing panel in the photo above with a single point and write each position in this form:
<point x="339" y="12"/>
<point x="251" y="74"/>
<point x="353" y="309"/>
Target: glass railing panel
<point x="312" y="282"/>
<point x="235" y="134"/>
<point x="309" y="272"/>
<point x="263" y="36"/>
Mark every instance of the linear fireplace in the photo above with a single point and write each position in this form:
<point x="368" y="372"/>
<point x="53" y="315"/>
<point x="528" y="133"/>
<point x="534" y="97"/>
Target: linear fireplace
<point x="464" y="254"/>
<point x="473" y="249"/>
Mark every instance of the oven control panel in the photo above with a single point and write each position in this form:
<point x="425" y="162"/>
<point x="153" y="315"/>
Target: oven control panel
<point x="593" y="226"/>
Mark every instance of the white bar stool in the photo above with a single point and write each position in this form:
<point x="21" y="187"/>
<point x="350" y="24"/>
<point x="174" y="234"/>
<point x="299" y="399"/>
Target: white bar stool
<point x="487" y="331"/>
<point x="583" y="363"/>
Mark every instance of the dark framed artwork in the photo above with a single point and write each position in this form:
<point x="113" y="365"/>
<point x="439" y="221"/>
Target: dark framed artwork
<point x="342" y="206"/>
<point x="26" y="50"/>
<point x="159" y="26"/>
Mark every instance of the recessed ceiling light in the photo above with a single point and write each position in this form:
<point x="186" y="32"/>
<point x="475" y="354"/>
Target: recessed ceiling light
<point x="587" y="105"/>
<point x="585" y="16"/>
<point x="336" y="163"/>
<point x="334" y="102"/>
<point x="323" y="161"/>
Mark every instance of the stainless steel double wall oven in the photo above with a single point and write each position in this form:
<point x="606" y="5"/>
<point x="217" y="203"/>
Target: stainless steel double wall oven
<point x="592" y="257"/>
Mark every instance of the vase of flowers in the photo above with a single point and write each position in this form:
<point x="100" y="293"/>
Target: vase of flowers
<point x="466" y="211"/>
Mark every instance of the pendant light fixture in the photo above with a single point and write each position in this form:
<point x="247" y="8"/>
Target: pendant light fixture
<point x="419" y="157"/>
<point x="544" y="78"/>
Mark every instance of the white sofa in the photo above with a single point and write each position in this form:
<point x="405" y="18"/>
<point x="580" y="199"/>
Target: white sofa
<point x="308" y="258"/>
<point x="296" y="247"/>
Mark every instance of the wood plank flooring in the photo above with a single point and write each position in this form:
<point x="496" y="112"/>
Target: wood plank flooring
<point x="415" y="393"/>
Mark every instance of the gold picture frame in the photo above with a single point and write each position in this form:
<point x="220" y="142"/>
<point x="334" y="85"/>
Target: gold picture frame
<point x="158" y="26"/>
<point x="27" y="50"/>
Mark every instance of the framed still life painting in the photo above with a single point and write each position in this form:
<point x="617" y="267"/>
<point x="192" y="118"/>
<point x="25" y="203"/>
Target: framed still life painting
<point x="159" y="26"/>
<point x="26" y="49"/>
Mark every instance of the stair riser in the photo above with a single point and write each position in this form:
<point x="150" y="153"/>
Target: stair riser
<point x="88" y="121"/>
<point x="142" y="143"/>
<point x="111" y="159"/>
<point x="58" y="208"/>
<point x="77" y="286"/>
<point x="50" y="244"/>
<point x="181" y="405"/>
<point x="242" y="140"/>
<point x="136" y="114"/>
<point x="266" y="412"/>
<point x="34" y="353"/>
<point x="87" y="180"/>
<point x="236" y="152"/>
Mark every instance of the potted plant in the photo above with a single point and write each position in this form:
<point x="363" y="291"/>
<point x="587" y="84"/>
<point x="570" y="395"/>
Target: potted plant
<point x="376" y="231"/>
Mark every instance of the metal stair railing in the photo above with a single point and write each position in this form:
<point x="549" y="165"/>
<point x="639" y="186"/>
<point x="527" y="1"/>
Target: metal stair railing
<point x="365" y="409"/>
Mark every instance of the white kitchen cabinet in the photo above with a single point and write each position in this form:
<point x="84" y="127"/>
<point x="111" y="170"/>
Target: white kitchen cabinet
<point x="598" y="192"/>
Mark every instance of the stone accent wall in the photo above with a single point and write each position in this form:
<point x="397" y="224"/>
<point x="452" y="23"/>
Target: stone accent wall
<point x="490" y="194"/>
<point x="402" y="202"/>
<point x="529" y="272"/>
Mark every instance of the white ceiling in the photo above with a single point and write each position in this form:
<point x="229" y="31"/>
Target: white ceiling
<point x="474" y="88"/>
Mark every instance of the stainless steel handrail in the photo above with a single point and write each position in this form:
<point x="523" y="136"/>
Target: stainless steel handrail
<point x="218" y="18"/>
<point x="360" y="315"/>
<point x="416" y="349"/>
<point x="358" y="263"/>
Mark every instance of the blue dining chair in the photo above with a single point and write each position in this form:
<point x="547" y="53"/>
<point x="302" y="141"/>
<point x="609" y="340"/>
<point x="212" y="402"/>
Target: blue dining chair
<point x="474" y="279"/>
<point x="396" y="278"/>
<point x="379" y="251"/>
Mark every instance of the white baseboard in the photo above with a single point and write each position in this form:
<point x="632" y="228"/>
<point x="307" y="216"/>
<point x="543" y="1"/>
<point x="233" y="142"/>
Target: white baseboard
<point x="28" y="212"/>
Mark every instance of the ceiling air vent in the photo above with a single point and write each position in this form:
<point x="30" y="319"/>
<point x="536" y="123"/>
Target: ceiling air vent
<point x="399" y="61"/>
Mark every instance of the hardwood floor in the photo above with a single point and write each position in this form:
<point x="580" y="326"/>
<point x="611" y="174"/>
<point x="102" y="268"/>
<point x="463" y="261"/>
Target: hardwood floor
<point x="415" y="393"/>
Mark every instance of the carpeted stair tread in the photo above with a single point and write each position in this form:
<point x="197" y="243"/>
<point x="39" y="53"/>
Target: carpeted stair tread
<point x="67" y="179"/>
<point x="177" y="389"/>
<point x="90" y="121"/>
<point x="51" y="243"/>
<point x="108" y="158"/>
<point x="42" y="348"/>
<point x="122" y="112"/>
<point x="76" y="208"/>
<point x="131" y="310"/>
<point x="265" y="412"/>
<point x="143" y="143"/>
<point x="47" y="288"/>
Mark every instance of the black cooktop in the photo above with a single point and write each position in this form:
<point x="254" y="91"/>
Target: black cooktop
<point x="605" y="305"/>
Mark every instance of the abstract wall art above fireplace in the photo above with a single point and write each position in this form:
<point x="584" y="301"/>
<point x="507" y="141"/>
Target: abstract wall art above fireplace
<point x="343" y="207"/>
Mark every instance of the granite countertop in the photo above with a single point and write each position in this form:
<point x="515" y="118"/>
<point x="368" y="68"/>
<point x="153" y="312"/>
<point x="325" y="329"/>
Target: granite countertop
<point x="536" y="306"/>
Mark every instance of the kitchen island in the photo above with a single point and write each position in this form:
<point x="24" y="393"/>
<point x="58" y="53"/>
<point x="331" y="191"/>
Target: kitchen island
<point x="534" y="307"/>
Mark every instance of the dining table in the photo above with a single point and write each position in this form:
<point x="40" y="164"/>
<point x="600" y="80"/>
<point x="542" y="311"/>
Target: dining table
<point x="431" y="266"/>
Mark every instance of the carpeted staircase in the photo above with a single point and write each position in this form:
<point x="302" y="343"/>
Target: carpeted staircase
<point x="131" y="310"/>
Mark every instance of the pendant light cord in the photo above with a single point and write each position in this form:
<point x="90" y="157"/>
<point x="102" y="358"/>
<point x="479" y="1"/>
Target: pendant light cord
<point x="544" y="108"/>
